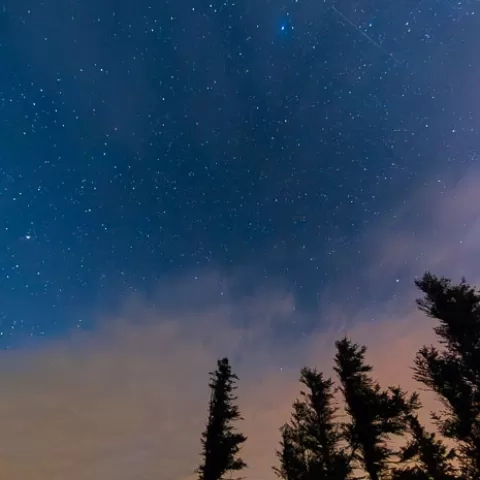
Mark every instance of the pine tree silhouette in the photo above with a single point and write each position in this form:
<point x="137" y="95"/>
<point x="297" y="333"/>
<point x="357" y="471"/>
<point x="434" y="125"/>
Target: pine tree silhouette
<point x="375" y="414"/>
<point x="424" y="457"/>
<point x="220" y="442"/>
<point x="311" y="444"/>
<point x="291" y="455"/>
<point x="452" y="370"/>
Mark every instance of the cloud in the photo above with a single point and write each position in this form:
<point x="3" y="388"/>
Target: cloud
<point x="128" y="399"/>
<point x="438" y="229"/>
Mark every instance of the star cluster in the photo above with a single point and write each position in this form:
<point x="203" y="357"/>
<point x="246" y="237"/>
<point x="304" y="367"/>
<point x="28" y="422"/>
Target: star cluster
<point x="140" y="140"/>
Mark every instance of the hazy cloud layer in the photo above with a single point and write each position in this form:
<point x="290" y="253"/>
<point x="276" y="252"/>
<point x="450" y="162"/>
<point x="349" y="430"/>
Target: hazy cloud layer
<point x="129" y="401"/>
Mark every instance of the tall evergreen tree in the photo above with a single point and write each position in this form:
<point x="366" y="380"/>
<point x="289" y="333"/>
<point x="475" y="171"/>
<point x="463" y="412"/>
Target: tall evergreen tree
<point x="221" y="443"/>
<point x="424" y="456"/>
<point x="375" y="414"/>
<point x="311" y="445"/>
<point x="452" y="370"/>
<point x="293" y="465"/>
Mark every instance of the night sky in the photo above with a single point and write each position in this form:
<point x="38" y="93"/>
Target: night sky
<point x="226" y="177"/>
<point x="140" y="140"/>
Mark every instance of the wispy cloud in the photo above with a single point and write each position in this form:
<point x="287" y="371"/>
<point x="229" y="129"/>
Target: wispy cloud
<point x="128" y="400"/>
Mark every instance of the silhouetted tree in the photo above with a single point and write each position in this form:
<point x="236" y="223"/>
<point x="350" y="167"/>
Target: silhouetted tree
<point x="425" y="457"/>
<point x="452" y="370"/>
<point x="375" y="414"/>
<point x="291" y="455"/>
<point x="311" y="445"/>
<point x="221" y="443"/>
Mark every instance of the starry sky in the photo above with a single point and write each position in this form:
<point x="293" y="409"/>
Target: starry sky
<point x="141" y="140"/>
<point x="239" y="162"/>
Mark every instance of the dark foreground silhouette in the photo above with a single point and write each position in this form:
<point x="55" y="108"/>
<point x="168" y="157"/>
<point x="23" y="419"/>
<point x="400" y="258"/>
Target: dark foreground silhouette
<point x="379" y="435"/>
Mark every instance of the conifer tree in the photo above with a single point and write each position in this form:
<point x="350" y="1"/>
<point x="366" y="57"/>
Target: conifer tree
<point x="293" y="465"/>
<point x="221" y="443"/>
<point x="424" y="457"/>
<point x="375" y="414"/>
<point x="311" y="444"/>
<point x="452" y="370"/>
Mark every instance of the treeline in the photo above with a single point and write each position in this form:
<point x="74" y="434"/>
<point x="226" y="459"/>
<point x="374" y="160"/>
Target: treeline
<point x="375" y="433"/>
